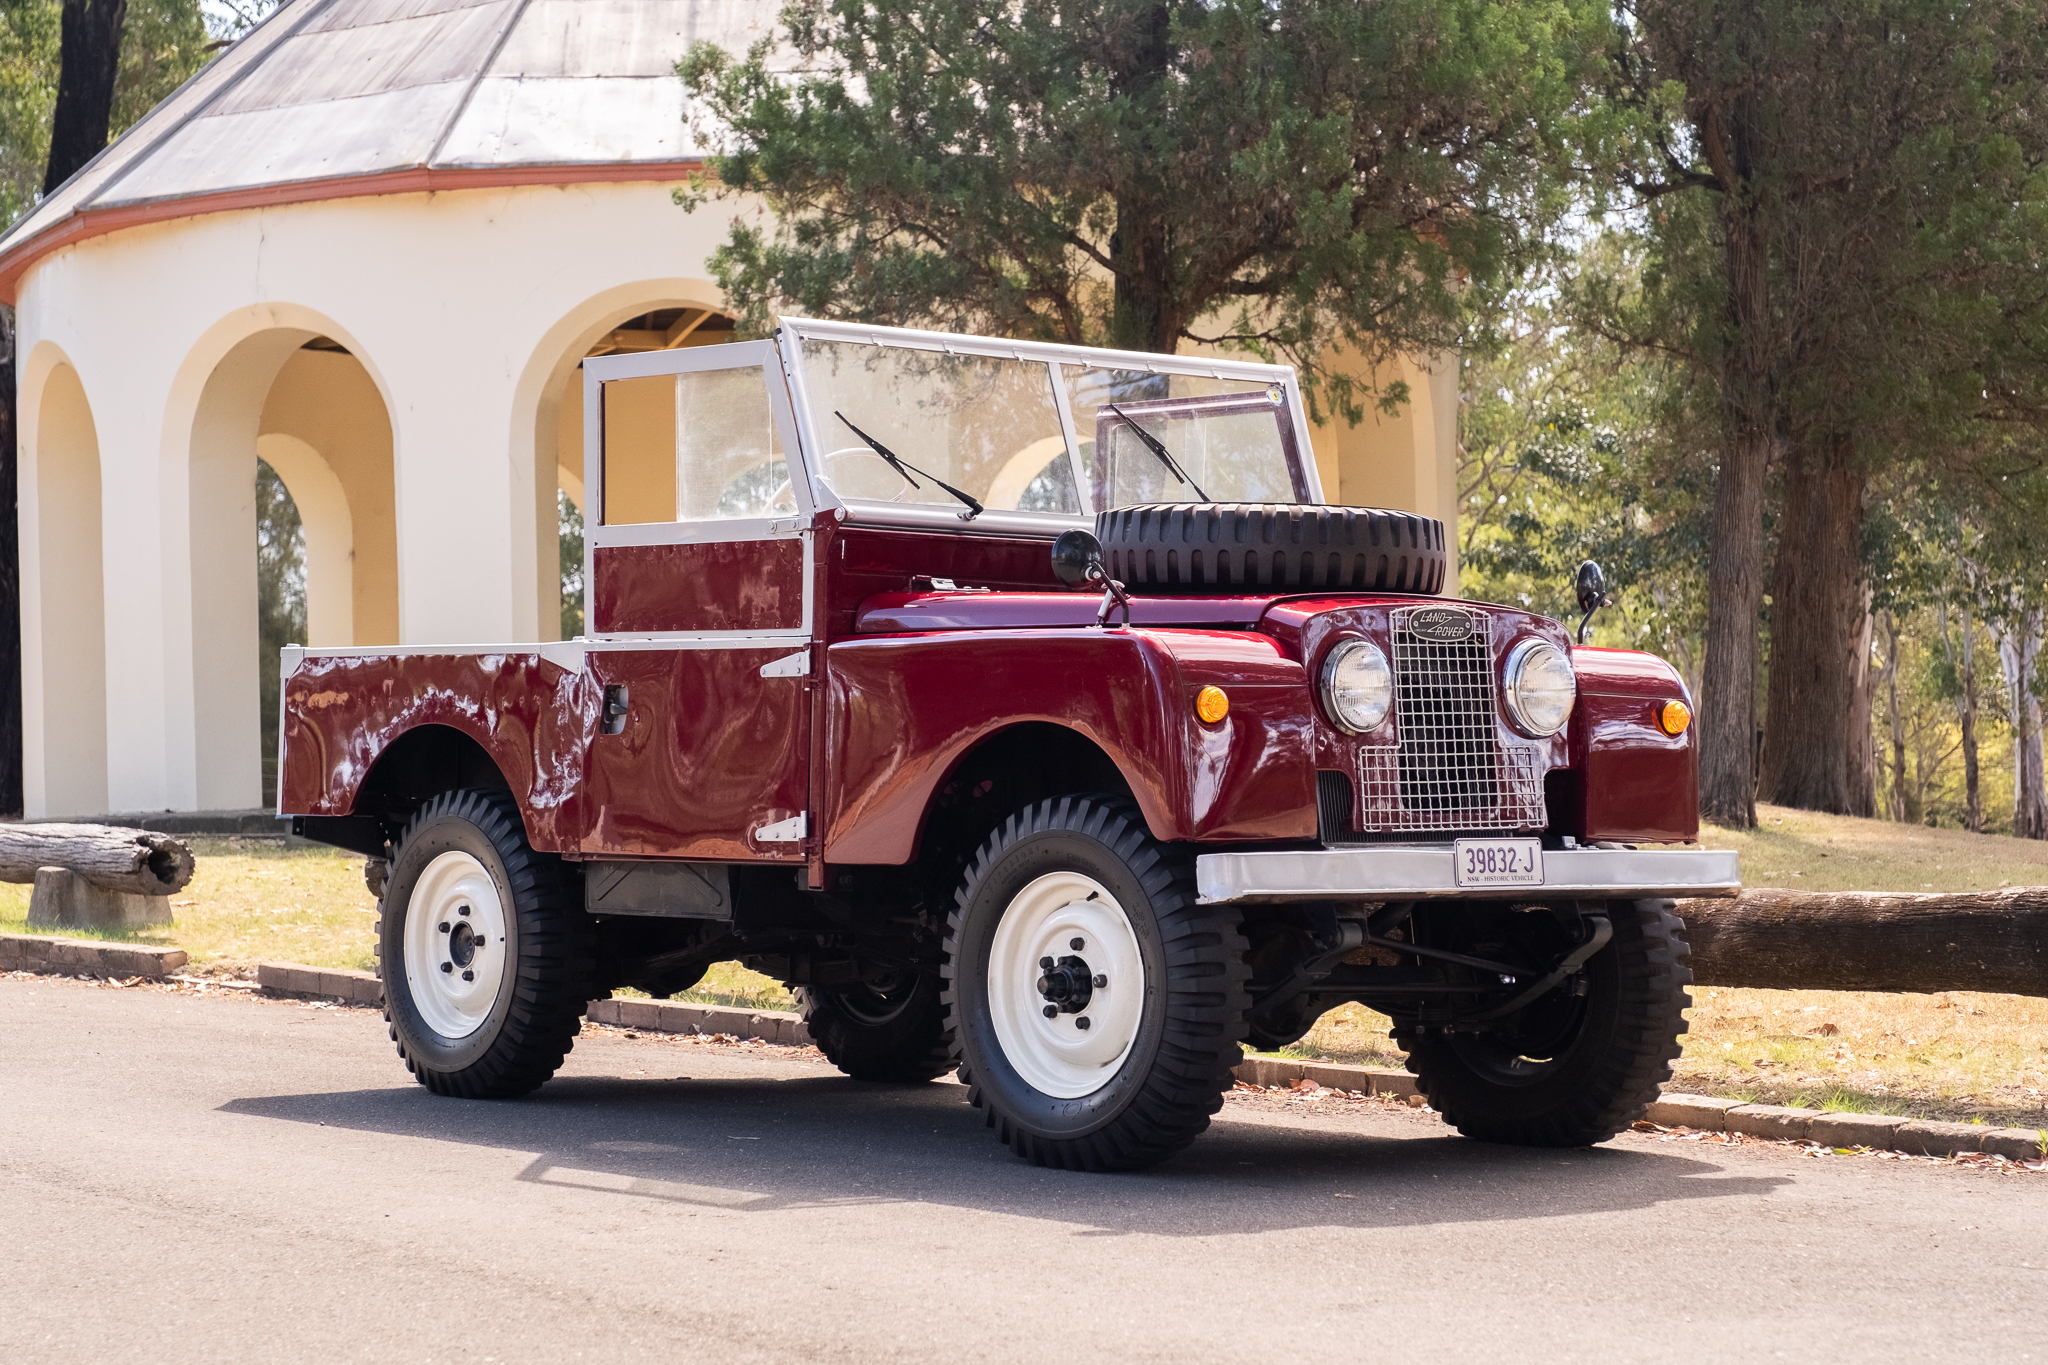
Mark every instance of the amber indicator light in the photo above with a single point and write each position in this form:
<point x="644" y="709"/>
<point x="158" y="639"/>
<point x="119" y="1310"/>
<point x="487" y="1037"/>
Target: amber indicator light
<point x="1211" y="705"/>
<point x="1673" y="717"/>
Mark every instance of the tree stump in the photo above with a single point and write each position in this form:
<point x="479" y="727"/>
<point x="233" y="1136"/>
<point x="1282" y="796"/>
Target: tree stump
<point x="63" y="899"/>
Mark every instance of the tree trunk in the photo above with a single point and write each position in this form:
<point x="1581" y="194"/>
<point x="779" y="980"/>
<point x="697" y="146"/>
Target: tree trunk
<point x="1862" y="743"/>
<point x="1736" y="148"/>
<point x="1817" y="606"/>
<point x="2019" y="651"/>
<point x="1898" y="719"/>
<point x="117" y="859"/>
<point x="1966" y="709"/>
<point x="10" y="582"/>
<point x="1142" y="318"/>
<point x="1861" y="941"/>
<point x="90" y="58"/>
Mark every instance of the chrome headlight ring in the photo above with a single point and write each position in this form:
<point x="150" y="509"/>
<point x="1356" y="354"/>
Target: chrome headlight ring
<point x="1540" y="686"/>
<point x="1357" y="686"/>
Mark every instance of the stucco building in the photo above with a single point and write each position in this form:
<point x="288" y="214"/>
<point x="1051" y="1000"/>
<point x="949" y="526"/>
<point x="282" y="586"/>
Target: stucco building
<point x="370" y="244"/>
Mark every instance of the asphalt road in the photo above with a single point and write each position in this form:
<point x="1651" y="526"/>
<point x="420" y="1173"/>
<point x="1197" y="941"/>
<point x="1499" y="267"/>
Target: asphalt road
<point x="204" y="1179"/>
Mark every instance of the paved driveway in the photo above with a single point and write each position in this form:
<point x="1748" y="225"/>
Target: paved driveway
<point x="203" y="1179"/>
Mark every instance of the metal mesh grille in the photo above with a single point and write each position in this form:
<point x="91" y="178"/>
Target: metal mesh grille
<point x="1451" y="769"/>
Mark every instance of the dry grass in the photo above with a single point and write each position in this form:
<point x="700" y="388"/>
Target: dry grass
<point x="251" y="901"/>
<point x="1950" y="1056"/>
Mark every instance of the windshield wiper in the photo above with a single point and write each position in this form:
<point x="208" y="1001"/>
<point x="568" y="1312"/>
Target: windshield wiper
<point x="906" y="469"/>
<point x="1152" y="443"/>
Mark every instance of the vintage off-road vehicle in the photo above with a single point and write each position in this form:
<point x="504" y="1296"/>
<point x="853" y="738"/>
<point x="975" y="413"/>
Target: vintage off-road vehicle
<point x="864" y="704"/>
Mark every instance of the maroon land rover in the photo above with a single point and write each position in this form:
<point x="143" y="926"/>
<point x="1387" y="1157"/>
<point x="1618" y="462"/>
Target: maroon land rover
<point x="866" y="705"/>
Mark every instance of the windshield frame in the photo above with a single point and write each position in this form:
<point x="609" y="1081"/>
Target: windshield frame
<point x="793" y="332"/>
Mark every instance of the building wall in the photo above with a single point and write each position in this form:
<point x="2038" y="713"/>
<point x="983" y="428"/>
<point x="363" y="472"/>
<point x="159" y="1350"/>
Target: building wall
<point x="430" y="454"/>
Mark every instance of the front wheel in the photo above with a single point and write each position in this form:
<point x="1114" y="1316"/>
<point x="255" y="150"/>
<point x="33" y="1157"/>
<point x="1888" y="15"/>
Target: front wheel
<point x="1570" y="1070"/>
<point x="1096" y="1007"/>
<point x="487" y="959"/>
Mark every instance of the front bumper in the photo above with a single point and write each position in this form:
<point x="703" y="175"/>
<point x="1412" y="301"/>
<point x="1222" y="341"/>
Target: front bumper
<point x="1428" y="872"/>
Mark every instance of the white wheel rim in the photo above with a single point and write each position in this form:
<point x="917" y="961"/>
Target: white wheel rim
<point x="1058" y="1056"/>
<point x="455" y="946"/>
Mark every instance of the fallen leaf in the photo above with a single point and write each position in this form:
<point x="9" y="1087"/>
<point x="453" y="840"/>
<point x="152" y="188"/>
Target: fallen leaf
<point x="1828" y="1030"/>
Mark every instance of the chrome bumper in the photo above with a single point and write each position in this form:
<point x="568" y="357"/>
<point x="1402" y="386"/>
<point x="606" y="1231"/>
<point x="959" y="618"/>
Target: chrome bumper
<point x="1429" y="872"/>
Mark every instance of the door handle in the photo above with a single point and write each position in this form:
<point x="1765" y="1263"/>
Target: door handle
<point x="615" y="701"/>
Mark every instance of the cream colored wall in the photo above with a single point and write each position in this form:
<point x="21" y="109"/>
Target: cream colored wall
<point x="1407" y="461"/>
<point x="327" y="402"/>
<point x="467" y="311"/>
<point x="63" y="624"/>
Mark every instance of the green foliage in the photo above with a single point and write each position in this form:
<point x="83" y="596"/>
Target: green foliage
<point x="163" y="42"/>
<point x="1568" y="456"/>
<point x="1279" y="176"/>
<point x="280" y="601"/>
<point x="569" y="528"/>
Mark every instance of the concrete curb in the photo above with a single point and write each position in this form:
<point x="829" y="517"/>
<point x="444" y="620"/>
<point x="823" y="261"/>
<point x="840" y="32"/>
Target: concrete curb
<point x="1365" y="1079"/>
<point x="290" y="981"/>
<point x="86" y="957"/>
<point x="667" y="1016"/>
<point x="1885" y="1132"/>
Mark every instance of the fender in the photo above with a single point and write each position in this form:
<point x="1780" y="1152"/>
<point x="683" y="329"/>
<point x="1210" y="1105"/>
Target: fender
<point x="1633" y="782"/>
<point x="903" y="710"/>
<point x="342" y="713"/>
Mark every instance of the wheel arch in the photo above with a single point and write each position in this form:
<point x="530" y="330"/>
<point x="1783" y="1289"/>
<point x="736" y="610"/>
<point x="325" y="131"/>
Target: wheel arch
<point x="1025" y="762"/>
<point x="419" y="764"/>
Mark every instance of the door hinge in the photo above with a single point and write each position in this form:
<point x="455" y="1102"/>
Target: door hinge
<point x="797" y="665"/>
<point x="790" y="831"/>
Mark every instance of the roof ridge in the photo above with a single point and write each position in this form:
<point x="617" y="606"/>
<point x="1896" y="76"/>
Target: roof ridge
<point x="518" y="8"/>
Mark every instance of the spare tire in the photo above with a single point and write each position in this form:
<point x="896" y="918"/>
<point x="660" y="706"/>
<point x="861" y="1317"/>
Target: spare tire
<point x="1210" y="547"/>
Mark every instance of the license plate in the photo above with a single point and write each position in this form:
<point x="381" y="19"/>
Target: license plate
<point x="1498" y="862"/>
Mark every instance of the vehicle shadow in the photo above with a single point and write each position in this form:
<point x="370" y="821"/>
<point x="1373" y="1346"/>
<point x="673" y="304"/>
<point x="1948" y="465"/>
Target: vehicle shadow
<point x="762" y="1145"/>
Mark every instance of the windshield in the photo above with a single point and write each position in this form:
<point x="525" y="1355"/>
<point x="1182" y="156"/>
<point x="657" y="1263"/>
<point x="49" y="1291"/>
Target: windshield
<point x="985" y="424"/>
<point x="1231" y="438"/>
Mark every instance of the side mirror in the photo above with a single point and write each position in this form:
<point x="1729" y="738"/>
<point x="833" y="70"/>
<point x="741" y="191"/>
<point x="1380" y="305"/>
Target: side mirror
<point x="1591" y="586"/>
<point x="1077" y="559"/>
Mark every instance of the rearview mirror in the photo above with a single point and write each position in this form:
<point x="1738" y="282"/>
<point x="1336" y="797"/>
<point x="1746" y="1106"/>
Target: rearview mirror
<point x="1591" y="585"/>
<point x="1077" y="559"/>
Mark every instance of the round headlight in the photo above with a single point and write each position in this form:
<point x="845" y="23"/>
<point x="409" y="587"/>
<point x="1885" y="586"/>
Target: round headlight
<point x="1541" y="687"/>
<point x="1358" y="687"/>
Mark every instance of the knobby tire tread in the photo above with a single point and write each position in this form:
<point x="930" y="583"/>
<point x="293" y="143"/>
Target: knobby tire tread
<point x="1207" y="994"/>
<point x="557" y="966"/>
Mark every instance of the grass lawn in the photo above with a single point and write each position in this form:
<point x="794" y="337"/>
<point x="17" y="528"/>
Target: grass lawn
<point x="1947" y="1056"/>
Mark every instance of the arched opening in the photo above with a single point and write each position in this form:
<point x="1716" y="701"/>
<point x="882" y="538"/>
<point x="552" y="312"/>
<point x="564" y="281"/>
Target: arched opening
<point x="63" y="610"/>
<point x="318" y="527"/>
<point x="650" y="317"/>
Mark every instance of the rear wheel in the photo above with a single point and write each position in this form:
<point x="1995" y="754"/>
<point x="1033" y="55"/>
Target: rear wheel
<point x="1570" y="1070"/>
<point x="889" y="1027"/>
<point x="1096" y="1008"/>
<point x="487" y="960"/>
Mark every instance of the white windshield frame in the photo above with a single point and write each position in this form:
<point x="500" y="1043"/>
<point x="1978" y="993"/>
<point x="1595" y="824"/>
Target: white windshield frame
<point x="794" y="332"/>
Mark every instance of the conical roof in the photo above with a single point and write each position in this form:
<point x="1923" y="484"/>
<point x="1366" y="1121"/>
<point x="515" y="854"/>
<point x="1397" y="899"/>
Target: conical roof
<point x="341" y="97"/>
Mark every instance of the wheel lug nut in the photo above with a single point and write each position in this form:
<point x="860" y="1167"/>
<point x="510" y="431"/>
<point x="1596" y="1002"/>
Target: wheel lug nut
<point x="1045" y="964"/>
<point x="1082" y="1022"/>
<point x="469" y="976"/>
<point x="1102" y="981"/>
<point x="444" y="928"/>
<point x="1052" y="1011"/>
<point x="447" y="966"/>
<point x="461" y="909"/>
<point x="1077" y="945"/>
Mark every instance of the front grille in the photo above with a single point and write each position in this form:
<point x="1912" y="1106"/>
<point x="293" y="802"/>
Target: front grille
<point x="1452" y="769"/>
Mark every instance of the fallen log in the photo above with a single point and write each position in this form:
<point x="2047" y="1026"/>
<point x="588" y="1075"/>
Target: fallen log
<point x="1872" y="941"/>
<point x="137" y="860"/>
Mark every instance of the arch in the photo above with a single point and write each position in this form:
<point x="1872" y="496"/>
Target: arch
<point x="63" y="599"/>
<point x="212" y="421"/>
<point x="330" y="536"/>
<point x="546" y="436"/>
